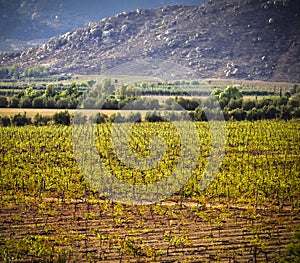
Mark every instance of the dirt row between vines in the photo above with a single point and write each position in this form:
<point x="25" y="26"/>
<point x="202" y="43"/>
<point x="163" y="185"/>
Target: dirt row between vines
<point x="164" y="233"/>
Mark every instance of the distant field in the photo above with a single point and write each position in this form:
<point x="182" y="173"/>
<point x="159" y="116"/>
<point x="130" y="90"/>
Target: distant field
<point x="250" y="83"/>
<point x="82" y="78"/>
<point x="123" y="79"/>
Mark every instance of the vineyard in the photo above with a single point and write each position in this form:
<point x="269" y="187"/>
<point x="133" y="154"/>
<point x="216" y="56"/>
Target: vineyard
<point x="50" y="212"/>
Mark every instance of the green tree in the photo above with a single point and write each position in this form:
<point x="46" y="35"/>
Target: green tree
<point x="11" y="72"/>
<point x="153" y="117"/>
<point x="30" y="93"/>
<point x="63" y="103"/>
<point x="264" y="102"/>
<point x="210" y="103"/>
<point x="14" y="102"/>
<point x="195" y="82"/>
<point x="50" y="91"/>
<point x="4" y="121"/>
<point x="89" y="103"/>
<point x="71" y="90"/>
<point x="107" y="87"/>
<point x="25" y="102"/>
<point x="100" y="118"/>
<point x="231" y="92"/>
<point x="295" y="89"/>
<point x="200" y="114"/>
<point x="285" y="113"/>
<point x="115" y="116"/>
<point x="38" y="102"/>
<point x="248" y="104"/>
<point x="79" y="118"/>
<point x="40" y="120"/>
<point x="223" y="102"/>
<point x="238" y="114"/>
<point x="3" y="102"/>
<point x="4" y="73"/>
<point x="111" y="104"/>
<point x="127" y="101"/>
<point x="50" y="103"/>
<point x="270" y="112"/>
<point x="73" y="103"/>
<point x="169" y="104"/>
<point x="280" y="101"/>
<point x="188" y="104"/>
<point x="134" y="117"/>
<point x="254" y="114"/>
<point x="62" y="117"/>
<point x="145" y="85"/>
<point x="234" y="103"/>
<point x="172" y="116"/>
<point x="294" y="101"/>
<point x="21" y="119"/>
<point x="151" y="104"/>
<point x="37" y="71"/>
<point x="216" y="92"/>
<point x="296" y="112"/>
<point x="14" y="72"/>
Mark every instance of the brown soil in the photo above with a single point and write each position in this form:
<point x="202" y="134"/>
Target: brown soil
<point x="244" y="235"/>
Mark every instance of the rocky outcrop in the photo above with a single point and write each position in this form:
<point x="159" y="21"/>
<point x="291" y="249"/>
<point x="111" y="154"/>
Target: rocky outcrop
<point x="251" y="39"/>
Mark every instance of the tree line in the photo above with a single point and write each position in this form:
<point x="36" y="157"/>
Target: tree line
<point x="228" y="103"/>
<point x="59" y="118"/>
<point x="37" y="72"/>
<point x="51" y="97"/>
<point x="14" y="72"/>
<point x="234" y="106"/>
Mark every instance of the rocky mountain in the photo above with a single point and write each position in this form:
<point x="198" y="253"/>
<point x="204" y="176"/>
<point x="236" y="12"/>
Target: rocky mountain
<point x="251" y="39"/>
<point x="25" y="23"/>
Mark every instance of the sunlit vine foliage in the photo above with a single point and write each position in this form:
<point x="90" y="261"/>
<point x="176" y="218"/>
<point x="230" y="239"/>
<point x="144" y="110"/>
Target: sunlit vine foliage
<point x="261" y="162"/>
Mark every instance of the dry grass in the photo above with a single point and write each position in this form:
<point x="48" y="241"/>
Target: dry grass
<point x="49" y="112"/>
<point x="29" y="112"/>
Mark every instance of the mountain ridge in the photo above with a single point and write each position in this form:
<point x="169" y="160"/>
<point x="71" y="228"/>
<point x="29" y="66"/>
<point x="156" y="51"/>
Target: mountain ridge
<point x="245" y="39"/>
<point x="24" y="23"/>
